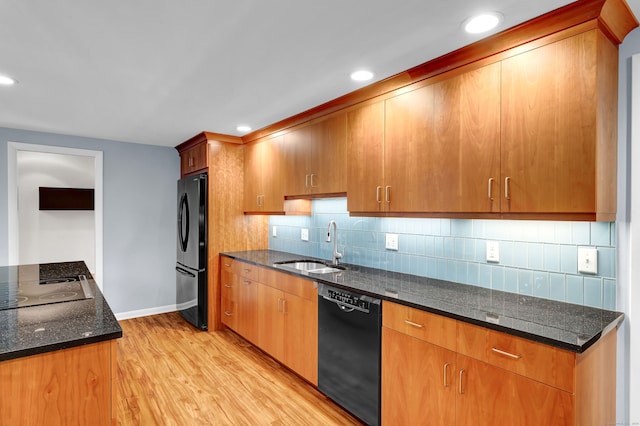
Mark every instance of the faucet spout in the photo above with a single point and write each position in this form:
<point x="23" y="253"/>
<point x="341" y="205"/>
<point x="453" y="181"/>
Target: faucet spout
<point x="336" y="255"/>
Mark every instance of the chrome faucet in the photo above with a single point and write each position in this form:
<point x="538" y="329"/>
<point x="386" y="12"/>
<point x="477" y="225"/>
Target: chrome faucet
<point x="336" y="255"/>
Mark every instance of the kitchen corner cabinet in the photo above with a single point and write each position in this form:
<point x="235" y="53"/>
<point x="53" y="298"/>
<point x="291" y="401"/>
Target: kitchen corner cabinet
<point x="194" y="159"/>
<point x="559" y="118"/>
<point x="315" y="157"/>
<point x="239" y="297"/>
<point x="473" y="375"/>
<point x="263" y="180"/>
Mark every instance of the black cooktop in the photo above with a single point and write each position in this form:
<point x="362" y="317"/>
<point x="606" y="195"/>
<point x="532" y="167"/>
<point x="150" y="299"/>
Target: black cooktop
<point x="30" y="285"/>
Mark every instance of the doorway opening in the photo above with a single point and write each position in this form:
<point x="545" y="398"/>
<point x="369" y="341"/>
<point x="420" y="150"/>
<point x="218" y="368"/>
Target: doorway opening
<point x="39" y="156"/>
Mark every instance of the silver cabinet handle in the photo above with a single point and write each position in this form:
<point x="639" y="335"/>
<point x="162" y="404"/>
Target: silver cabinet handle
<point x="246" y="282"/>
<point x="387" y="194"/>
<point x="227" y="313"/>
<point x="312" y="184"/>
<point x="489" y="192"/>
<point x="227" y="286"/>
<point x="284" y="306"/>
<point x="510" y="355"/>
<point x="258" y="200"/>
<point x="306" y="181"/>
<point x="378" y="189"/>
<point x="279" y="302"/>
<point x="444" y="374"/>
<point x="227" y="265"/>
<point x="460" y="382"/>
<point x="506" y="188"/>
<point x="413" y="324"/>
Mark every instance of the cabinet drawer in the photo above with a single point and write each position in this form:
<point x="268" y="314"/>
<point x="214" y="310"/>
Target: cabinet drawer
<point x="426" y="326"/>
<point x="226" y="264"/>
<point x="228" y="285"/>
<point x="537" y="361"/>
<point x="229" y="316"/>
<point x="246" y="270"/>
<point x="290" y="284"/>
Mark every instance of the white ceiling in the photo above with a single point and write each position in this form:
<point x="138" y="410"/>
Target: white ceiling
<point x="160" y="71"/>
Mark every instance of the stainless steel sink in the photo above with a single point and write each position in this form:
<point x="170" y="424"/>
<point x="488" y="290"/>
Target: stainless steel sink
<point x="309" y="267"/>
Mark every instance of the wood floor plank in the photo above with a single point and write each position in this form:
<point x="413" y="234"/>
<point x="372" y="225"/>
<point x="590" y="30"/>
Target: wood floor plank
<point x="169" y="373"/>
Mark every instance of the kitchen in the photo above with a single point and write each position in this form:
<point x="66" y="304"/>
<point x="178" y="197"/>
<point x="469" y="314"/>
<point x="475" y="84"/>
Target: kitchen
<point x="135" y="164"/>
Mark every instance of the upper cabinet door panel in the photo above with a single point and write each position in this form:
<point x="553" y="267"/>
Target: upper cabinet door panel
<point x="549" y="111"/>
<point x="465" y="152"/>
<point x="365" y="158"/>
<point x="409" y="166"/>
<point x="328" y="171"/>
<point x="297" y="157"/>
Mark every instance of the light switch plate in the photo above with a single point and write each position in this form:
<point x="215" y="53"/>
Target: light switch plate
<point x="274" y="231"/>
<point x="391" y="242"/>
<point x="493" y="251"/>
<point x="588" y="260"/>
<point x="304" y="234"/>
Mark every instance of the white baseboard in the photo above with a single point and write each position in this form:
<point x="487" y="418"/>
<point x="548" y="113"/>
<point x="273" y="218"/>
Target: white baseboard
<point x="146" y="312"/>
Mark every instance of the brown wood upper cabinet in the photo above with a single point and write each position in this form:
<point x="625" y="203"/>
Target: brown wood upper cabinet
<point x="263" y="176"/>
<point x="194" y="159"/>
<point x="531" y="136"/>
<point x="559" y="118"/>
<point x="432" y="149"/>
<point x="315" y="157"/>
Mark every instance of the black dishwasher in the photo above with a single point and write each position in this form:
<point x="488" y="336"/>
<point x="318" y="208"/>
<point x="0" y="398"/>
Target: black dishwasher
<point x="349" y="351"/>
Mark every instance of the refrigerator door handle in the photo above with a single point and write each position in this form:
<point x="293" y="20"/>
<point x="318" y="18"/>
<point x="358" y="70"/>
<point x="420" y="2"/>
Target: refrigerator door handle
<point x="185" y="272"/>
<point x="184" y="238"/>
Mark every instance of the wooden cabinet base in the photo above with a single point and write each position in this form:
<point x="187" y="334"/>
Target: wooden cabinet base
<point x="67" y="387"/>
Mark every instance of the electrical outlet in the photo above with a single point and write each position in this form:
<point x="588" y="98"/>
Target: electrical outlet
<point x="587" y="260"/>
<point x="274" y="231"/>
<point x="304" y="234"/>
<point x="493" y="251"/>
<point x="391" y="242"/>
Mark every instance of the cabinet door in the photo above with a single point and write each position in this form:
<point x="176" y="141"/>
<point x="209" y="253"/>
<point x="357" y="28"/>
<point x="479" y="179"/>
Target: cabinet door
<point x="247" y="323"/>
<point x="271" y="321"/>
<point x="194" y="159"/>
<point x="301" y="336"/>
<point x="328" y="157"/>
<point x="297" y="159"/>
<point x="228" y="299"/>
<point x="488" y="395"/>
<point x="252" y="177"/>
<point x="418" y="381"/>
<point x="272" y="175"/>
<point x="463" y="163"/>
<point x="549" y="102"/>
<point x="365" y="158"/>
<point x="409" y="170"/>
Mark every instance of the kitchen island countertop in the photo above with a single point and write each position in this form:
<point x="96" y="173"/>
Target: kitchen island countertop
<point x="562" y="325"/>
<point x="32" y="330"/>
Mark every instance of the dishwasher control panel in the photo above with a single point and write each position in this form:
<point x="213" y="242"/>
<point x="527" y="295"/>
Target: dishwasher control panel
<point x="347" y="298"/>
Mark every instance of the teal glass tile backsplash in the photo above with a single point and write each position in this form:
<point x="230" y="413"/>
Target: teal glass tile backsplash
<point x="537" y="258"/>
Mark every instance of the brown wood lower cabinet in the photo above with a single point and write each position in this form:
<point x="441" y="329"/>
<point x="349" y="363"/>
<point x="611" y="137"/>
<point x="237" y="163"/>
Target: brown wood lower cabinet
<point x="485" y="377"/>
<point x="74" y="386"/>
<point x="277" y="312"/>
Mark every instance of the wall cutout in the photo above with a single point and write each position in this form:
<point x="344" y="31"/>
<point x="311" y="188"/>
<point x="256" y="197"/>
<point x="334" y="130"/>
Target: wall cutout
<point x="66" y="198"/>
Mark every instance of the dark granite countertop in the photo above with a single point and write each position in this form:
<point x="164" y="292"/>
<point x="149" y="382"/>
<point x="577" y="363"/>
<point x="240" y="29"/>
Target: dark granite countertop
<point x="563" y="325"/>
<point x="38" y="329"/>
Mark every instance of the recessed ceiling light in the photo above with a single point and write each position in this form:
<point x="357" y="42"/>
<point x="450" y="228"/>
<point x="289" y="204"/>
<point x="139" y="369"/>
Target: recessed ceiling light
<point x="242" y="128"/>
<point x="482" y="23"/>
<point x="361" y="75"/>
<point x="7" y="81"/>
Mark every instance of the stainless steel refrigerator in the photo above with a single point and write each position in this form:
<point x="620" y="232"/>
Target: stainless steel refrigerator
<point x="191" y="265"/>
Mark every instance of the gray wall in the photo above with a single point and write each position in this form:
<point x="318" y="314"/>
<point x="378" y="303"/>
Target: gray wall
<point x="139" y="216"/>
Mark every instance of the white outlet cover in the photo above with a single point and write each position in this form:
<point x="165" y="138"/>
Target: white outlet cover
<point x="493" y="251"/>
<point x="304" y="234"/>
<point x="588" y="260"/>
<point x="274" y="231"/>
<point x="391" y="241"/>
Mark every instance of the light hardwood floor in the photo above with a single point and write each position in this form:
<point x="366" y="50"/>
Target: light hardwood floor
<point x="171" y="374"/>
